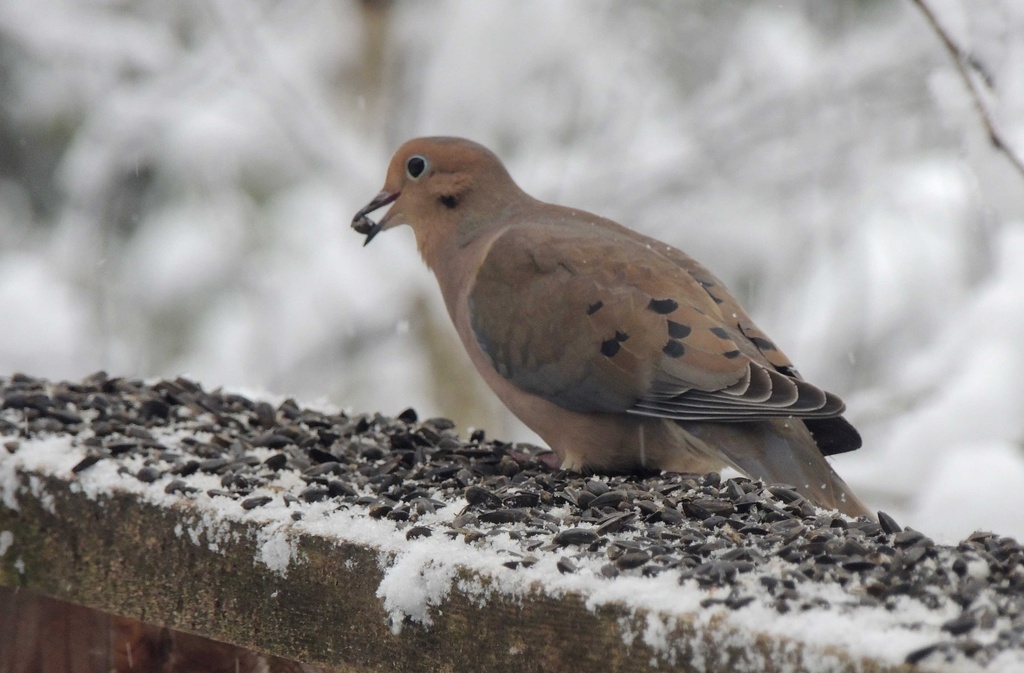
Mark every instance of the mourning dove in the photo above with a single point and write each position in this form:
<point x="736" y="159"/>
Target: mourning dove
<point x="620" y="351"/>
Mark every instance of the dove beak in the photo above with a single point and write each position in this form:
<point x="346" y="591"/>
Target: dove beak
<point x="363" y="224"/>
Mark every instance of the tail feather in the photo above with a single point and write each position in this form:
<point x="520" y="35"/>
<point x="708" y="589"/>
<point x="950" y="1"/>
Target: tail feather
<point x="780" y="451"/>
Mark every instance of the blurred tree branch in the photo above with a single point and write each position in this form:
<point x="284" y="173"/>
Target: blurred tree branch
<point x="964" y="62"/>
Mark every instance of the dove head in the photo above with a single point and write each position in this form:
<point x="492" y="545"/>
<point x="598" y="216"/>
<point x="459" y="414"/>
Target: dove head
<point x="449" y="190"/>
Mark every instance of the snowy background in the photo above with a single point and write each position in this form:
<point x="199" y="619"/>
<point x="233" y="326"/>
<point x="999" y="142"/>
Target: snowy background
<point x="177" y="180"/>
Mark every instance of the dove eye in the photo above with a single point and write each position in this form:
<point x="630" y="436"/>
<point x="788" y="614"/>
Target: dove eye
<point x="416" y="166"/>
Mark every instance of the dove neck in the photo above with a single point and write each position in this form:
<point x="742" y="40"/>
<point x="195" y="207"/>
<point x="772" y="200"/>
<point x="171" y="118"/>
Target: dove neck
<point x="455" y="258"/>
<point x="447" y="243"/>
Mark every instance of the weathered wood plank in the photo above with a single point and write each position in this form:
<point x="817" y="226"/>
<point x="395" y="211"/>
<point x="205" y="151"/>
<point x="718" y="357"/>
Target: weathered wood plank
<point x="129" y="558"/>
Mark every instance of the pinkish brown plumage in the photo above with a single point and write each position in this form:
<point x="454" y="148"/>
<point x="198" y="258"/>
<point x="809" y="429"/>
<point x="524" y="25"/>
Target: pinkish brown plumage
<point x="620" y="351"/>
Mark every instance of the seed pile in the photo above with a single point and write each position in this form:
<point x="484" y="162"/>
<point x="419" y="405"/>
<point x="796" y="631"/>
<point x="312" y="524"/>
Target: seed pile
<point x="747" y="540"/>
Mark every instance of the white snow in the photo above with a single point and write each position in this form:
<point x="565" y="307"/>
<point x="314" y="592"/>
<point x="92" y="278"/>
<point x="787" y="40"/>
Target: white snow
<point x="6" y="540"/>
<point x="277" y="550"/>
<point x="415" y="582"/>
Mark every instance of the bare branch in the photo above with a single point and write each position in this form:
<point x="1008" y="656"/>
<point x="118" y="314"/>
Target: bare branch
<point x="962" y="62"/>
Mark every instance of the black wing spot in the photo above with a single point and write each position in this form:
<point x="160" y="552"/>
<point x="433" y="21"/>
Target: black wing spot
<point x="788" y="371"/>
<point x="716" y="299"/>
<point x="705" y="283"/>
<point x="678" y="330"/>
<point x="449" y="201"/>
<point x="620" y="336"/>
<point x="720" y="332"/>
<point x="763" y="344"/>
<point x="663" y="306"/>
<point x="732" y="355"/>
<point x="673" y="349"/>
<point x="610" y="347"/>
<point x="595" y="307"/>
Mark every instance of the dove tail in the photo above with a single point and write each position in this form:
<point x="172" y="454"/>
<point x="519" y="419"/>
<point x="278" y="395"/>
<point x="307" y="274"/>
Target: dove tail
<point x="780" y="451"/>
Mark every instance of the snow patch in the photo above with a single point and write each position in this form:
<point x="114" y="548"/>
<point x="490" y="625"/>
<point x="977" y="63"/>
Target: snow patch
<point x="276" y="548"/>
<point x="414" y="583"/>
<point x="9" y="484"/>
<point x="6" y="540"/>
<point x="35" y="486"/>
